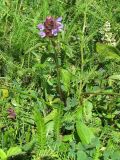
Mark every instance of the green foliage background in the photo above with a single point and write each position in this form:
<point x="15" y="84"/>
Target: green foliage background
<point x="73" y="115"/>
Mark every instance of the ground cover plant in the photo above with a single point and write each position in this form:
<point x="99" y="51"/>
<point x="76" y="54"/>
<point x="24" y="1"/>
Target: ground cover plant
<point x="59" y="80"/>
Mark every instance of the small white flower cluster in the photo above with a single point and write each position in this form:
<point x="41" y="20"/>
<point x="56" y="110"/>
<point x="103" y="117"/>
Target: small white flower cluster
<point x="107" y="36"/>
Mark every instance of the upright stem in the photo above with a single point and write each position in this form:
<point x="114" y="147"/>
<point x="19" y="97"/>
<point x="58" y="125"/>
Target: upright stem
<point x="82" y="53"/>
<point x="57" y="68"/>
<point x="58" y="73"/>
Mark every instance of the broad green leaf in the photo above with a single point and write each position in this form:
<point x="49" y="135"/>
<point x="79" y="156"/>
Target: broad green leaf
<point x="49" y="128"/>
<point x="79" y="113"/>
<point x="29" y="146"/>
<point x="56" y="100"/>
<point x="118" y="125"/>
<point x="14" y="103"/>
<point x="13" y="151"/>
<point x="50" y="116"/>
<point x="115" y="77"/>
<point x="52" y="101"/>
<point x="112" y="79"/>
<point x="84" y="132"/>
<point x="88" y="110"/>
<point x="67" y="138"/>
<point x="81" y="155"/>
<point x="66" y="77"/>
<point x="108" y="52"/>
<point x="111" y="154"/>
<point x="3" y="155"/>
<point x="115" y="155"/>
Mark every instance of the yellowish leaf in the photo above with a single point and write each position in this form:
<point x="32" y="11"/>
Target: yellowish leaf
<point x="5" y="93"/>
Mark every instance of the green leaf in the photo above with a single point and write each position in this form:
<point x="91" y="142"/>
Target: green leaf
<point x="29" y="146"/>
<point x="118" y="125"/>
<point x="108" y="52"/>
<point x="50" y="116"/>
<point x="84" y="132"/>
<point x="115" y="77"/>
<point x="5" y="93"/>
<point x="81" y="155"/>
<point x="68" y="138"/>
<point x="115" y="155"/>
<point x="79" y="113"/>
<point x="88" y="110"/>
<point x="66" y="77"/>
<point x="14" y="103"/>
<point x="40" y="127"/>
<point x="112" y="79"/>
<point x="57" y="123"/>
<point x="13" y="151"/>
<point x="49" y="128"/>
<point x="3" y="155"/>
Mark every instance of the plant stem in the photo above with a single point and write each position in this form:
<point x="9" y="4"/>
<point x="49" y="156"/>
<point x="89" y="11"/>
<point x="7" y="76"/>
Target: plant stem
<point x="57" y="67"/>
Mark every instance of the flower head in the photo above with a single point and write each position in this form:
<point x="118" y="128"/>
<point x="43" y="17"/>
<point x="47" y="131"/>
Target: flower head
<point x="11" y="113"/>
<point x="106" y="35"/>
<point x="51" y="27"/>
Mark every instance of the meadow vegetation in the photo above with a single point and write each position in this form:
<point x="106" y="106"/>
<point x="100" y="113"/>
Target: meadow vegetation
<point x="60" y="95"/>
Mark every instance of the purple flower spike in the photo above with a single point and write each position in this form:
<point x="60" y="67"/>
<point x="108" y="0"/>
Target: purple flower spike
<point x="11" y="113"/>
<point x="50" y="27"/>
<point x="42" y="34"/>
<point x="55" y="32"/>
<point x="41" y="27"/>
<point x="59" y="19"/>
